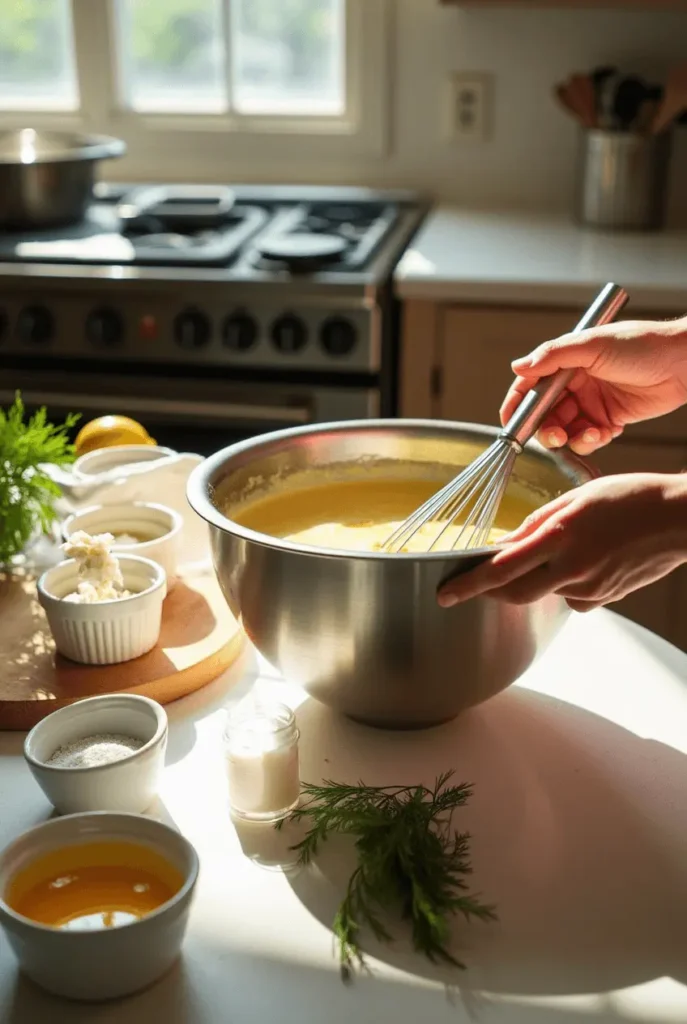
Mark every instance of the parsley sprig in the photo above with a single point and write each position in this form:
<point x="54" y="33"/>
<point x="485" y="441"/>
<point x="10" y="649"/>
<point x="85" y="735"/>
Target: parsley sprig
<point x="27" y="494"/>
<point x="409" y="858"/>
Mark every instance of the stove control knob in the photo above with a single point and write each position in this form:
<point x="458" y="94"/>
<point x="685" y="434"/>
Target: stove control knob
<point x="105" y="328"/>
<point x="338" y="336"/>
<point x="239" y="332"/>
<point x="35" y="325"/>
<point x="192" y="329"/>
<point x="289" y="334"/>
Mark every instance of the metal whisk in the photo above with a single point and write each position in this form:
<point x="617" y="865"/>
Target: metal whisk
<point x="473" y="497"/>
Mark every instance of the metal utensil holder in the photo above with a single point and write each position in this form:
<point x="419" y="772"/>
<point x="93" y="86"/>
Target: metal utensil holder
<point x="623" y="179"/>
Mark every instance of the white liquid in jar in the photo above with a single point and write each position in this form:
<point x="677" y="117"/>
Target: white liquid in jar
<point x="262" y="763"/>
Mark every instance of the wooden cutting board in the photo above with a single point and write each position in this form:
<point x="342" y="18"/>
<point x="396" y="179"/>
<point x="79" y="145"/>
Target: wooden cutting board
<point x="199" y="640"/>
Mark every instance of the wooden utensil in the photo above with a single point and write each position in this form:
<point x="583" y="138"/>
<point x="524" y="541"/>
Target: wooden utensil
<point x="584" y="97"/>
<point x="575" y="103"/>
<point x="646" y="114"/>
<point x="565" y="101"/>
<point x="674" y="100"/>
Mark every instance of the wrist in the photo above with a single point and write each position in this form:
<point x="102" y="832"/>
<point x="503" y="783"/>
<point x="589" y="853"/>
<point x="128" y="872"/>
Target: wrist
<point x="678" y="336"/>
<point x="674" y="495"/>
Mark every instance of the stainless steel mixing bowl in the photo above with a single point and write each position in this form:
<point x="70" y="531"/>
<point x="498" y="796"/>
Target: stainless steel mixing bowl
<point x="361" y="631"/>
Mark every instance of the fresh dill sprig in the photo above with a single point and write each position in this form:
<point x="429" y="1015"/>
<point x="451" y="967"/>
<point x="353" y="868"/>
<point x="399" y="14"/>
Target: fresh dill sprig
<point x="409" y="859"/>
<point x="27" y="494"/>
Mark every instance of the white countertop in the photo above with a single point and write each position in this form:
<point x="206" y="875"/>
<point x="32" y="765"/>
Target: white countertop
<point x="495" y="257"/>
<point x="579" y="836"/>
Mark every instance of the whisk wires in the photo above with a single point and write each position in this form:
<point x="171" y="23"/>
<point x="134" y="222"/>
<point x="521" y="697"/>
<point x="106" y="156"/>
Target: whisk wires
<point x="471" y="499"/>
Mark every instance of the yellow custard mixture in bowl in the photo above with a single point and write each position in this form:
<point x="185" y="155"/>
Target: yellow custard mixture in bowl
<point x="298" y="519"/>
<point x="361" y="514"/>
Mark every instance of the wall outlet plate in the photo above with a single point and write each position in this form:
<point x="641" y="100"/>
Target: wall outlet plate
<point x="468" y="106"/>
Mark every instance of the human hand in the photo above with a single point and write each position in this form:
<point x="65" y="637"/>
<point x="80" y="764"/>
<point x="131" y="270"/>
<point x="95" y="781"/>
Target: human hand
<point x="627" y="372"/>
<point x="592" y="545"/>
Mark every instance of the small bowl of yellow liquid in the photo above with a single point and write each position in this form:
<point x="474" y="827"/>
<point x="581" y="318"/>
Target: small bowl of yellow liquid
<point x="95" y="905"/>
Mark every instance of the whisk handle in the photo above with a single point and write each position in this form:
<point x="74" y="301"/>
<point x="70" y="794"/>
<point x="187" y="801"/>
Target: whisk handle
<point x="537" y="403"/>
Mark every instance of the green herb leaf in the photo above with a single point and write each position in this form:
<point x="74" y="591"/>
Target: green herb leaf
<point x="27" y="494"/>
<point x="409" y="859"/>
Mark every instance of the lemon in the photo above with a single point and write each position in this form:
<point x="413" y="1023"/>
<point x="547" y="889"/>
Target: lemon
<point x="107" y="431"/>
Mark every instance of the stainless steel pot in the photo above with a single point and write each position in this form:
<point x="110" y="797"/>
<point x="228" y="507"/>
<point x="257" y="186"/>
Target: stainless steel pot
<point x="47" y="178"/>
<point x="362" y="632"/>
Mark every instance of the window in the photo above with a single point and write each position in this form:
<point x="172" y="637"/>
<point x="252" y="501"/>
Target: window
<point x="172" y="55"/>
<point x="288" y="58"/>
<point x="37" y="69"/>
<point x="178" y="80"/>
<point x="275" y="57"/>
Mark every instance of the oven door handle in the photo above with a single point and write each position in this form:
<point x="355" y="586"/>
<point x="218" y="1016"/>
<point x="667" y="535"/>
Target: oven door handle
<point x="229" y="412"/>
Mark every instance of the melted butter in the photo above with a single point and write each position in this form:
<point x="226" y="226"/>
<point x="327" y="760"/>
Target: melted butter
<point x="94" y="886"/>
<point x="360" y="515"/>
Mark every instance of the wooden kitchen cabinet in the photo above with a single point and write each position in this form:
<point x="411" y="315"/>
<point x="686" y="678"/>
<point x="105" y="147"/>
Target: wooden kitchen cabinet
<point x="476" y="345"/>
<point x="456" y="366"/>
<point x="661" y="607"/>
<point x="472" y="388"/>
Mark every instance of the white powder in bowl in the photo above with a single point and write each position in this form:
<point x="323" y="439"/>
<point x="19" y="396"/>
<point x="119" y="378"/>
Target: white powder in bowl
<point x="126" y="538"/>
<point x="92" y="751"/>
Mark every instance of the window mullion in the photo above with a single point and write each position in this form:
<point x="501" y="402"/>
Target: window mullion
<point x="95" y="54"/>
<point x="227" y="33"/>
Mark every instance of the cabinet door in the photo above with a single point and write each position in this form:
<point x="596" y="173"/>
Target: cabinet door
<point x="419" y="359"/>
<point x="477" y="346"/>
<point x="661" y="607"/>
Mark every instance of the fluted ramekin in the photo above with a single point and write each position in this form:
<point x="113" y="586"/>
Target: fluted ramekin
<point x="106" y="632"/>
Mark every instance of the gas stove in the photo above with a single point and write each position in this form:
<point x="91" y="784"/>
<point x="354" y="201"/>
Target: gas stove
<point x="289" y="277"/>
<point x="245" y="230"/>
<point x="211" y="291"/>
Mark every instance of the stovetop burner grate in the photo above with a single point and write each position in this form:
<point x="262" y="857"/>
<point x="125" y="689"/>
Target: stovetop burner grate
<point x="208" y="226"/>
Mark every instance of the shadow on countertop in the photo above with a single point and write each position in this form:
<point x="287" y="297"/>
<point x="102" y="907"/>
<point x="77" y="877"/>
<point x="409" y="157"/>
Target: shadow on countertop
<point x="579" y="838"/>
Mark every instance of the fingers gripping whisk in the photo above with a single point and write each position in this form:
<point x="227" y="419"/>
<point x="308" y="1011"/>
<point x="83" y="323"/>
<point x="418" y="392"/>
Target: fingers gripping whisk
<point x="473" y="497"/>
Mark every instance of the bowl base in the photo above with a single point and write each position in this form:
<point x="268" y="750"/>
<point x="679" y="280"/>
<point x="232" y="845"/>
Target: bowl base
<point x="387" y="726"/>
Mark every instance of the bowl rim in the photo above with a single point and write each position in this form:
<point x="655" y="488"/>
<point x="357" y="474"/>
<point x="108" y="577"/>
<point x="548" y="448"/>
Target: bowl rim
<point x="71" y="936"/>
<point x="175" y="528"/>
<point x="163" y="452"/>
<point x="199" y="483"/>
<point x="161" y="731"/>
<point x="158" y="581"/>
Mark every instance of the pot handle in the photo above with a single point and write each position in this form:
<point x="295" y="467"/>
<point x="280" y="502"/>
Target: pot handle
<point x="139" y="201"/>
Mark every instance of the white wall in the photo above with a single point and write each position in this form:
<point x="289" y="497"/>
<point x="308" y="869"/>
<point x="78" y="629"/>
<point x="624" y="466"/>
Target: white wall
<point x="530" y="160"/>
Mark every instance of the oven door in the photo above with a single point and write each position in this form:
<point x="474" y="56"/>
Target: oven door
<point x="195" y="415"/>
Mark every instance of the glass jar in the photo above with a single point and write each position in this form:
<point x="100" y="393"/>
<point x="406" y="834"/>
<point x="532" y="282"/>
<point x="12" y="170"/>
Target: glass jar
<point x="261" y="750"/>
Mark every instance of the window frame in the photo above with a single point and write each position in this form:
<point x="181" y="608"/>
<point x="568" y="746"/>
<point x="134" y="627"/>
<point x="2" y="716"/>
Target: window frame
<point x="203" y="146"/>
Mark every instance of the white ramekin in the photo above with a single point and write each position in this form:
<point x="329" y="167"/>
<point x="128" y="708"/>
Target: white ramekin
<point x="102" y="460"/>
<point x="127" y="785"/>
<point x="99" y="965"/>
<point x="106" y="632"/>
<point x="163" y="525"/>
